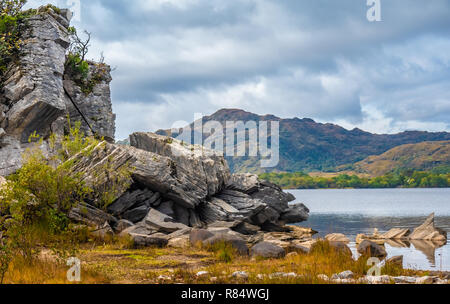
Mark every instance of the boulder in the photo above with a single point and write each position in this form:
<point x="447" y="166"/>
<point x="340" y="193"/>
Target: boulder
<point x="267" y="250"/>
<point x="122" y="225"/>
<point x="152" y="240"/>
<point x="246" y="228"/>
<point x="179" y="242"/>
<point x="199" y="235"/>
<point x="162" y="222"/>
<point x="194" y="165"/>
<point x="133" y="199"/>
<point x="338" y="247"/>
<point x="104" y="231"/>
<point x="368" y="248"/>
<point x="236" y="242"/>
<point x="139" y="228"/>
<point x="395" y="260"/>
<point x="137" y="214"/>
<point x="295" y="214"/>
<point x="396" y="234"/>
<point x="341" y="247"/>
<point x="337" y="237"/>
<point x="428" y="232"/>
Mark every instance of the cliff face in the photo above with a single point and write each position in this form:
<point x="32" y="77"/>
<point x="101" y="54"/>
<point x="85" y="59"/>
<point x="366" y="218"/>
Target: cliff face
<point x="33" y="98"/>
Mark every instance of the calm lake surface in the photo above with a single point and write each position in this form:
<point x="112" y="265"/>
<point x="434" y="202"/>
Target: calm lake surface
<point x="361" y="210"/>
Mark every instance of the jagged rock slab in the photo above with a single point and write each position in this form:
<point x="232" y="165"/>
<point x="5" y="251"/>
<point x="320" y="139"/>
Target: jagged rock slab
<point x="205" y="169"/>
<point x="148" y="169"/>
<point x="96" y="106"/>
<point x="428" y="232"/>
<point x="162" y="222"/>
<point x="337" y="237"/>
<point x="371" y="249"/>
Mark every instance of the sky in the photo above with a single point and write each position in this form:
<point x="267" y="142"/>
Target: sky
<point x="319" y="59"/>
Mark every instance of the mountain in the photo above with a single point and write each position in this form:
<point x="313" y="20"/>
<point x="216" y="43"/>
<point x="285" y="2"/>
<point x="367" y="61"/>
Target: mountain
<point x="421" y="156"/>
<point x="306" y="145"/>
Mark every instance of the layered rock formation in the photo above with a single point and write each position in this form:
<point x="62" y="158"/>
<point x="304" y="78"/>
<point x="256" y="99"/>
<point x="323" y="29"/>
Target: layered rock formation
<point x="33" y="98"/>
<point x="173" y="186"/>
<point x="159" y="189"/>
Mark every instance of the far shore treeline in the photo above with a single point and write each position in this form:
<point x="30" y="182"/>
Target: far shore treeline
<point x="403" y="179"/>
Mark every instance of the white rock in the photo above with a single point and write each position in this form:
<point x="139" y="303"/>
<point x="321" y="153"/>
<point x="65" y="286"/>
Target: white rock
<point x="202" y="273"/>
<point x="240" y="275"/>
<point x="404" y="280"/>
<point x="384" y="279"/>
<point x="425" y="280"/>
<point x="343" y="275"/>
<point x="323" y="277"/>
<point x="164" y="278"/>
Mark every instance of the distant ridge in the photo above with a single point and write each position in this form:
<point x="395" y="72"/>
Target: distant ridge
<point x="306" y="145"/>
<point x="423" y="156"/>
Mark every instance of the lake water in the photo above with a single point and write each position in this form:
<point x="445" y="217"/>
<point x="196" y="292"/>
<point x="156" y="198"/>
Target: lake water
<point x="361" y="210"/>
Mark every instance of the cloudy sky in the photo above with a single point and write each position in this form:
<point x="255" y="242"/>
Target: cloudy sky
<point x="320" y="59"/>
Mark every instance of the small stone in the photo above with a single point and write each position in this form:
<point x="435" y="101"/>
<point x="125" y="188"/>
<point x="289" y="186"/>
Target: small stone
<point x="240" y="275"/>
<point x="384" y="279"/>
<point x="425" y="280"/>
<point x="202" y="273"/>
<point x="164" y="278"/>
<point x="323" y="277"/>
<point x="213" y="279"/>
<point x="343" y="275"/>
<point x="404" y="280"/>
<point x="396" y="260"/>
<point x="260" y="276"/>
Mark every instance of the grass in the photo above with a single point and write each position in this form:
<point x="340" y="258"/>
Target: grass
<point x="111" y="263"/>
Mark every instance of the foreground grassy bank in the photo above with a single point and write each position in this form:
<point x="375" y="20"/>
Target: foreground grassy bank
<point x="404" y="179"/>
<point x="115" y="264"/>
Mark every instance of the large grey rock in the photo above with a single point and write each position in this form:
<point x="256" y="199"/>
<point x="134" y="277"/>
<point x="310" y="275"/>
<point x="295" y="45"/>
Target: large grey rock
<point x="267" y="250"/>
<point x="371" y="249"/>
<point x="137" y="214"/>
<point x="122" y="225"/>
<point x="199" y="235"/>
<point x="295" y="214"/>
<point x="205" y="169"/>
<point x="96" y="106"/>
<point x="153" y="240"/>
<point x="236" y="242"/>
<point x="33" y="99"/>
<point x="132" y="199"/>
<point x="148" y="169"/>
<point x="162" y="222"/>
<point x="428" y="232"/>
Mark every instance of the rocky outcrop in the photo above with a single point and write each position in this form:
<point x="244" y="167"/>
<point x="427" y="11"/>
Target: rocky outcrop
<point x="165" y="191"/>
<point x="96" y="106"/>
<point x="33" y="98"/>
<point x="425" y="232"/>
<point x="428" y="232"/>
<point x="203" y="168"/>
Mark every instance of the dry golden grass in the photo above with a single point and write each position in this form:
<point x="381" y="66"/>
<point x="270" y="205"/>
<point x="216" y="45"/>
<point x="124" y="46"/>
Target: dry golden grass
<point x="115" y="264"/>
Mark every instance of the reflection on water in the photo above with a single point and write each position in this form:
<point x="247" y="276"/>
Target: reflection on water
<point x="360" y="211"/>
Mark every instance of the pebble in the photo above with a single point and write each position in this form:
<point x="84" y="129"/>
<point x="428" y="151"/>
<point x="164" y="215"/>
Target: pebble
<point x="240" y="275"/>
